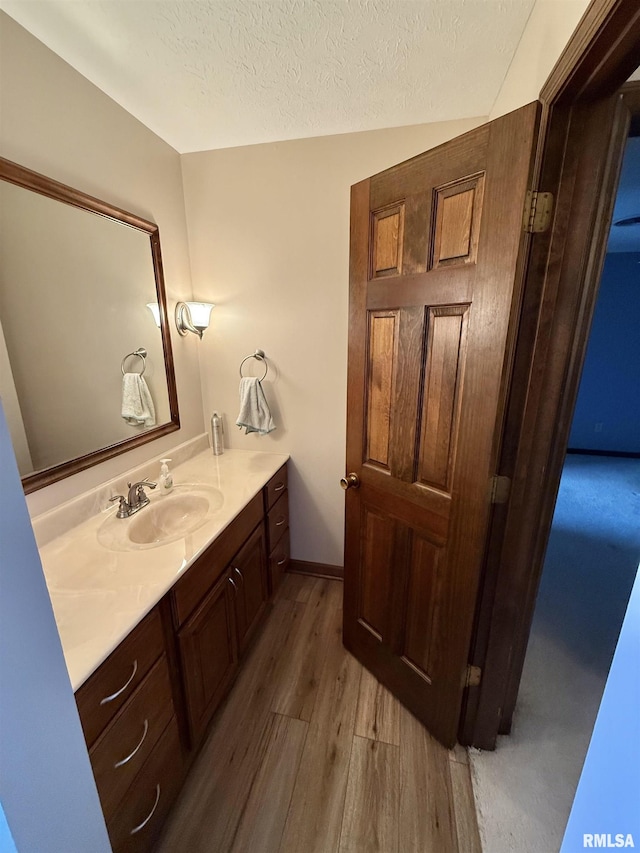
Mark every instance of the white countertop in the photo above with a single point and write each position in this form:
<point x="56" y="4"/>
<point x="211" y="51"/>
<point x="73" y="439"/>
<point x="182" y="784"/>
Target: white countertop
<point x="99" y="595"/>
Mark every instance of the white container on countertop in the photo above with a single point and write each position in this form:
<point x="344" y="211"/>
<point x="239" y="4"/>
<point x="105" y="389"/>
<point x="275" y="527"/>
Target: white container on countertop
<point x="166" y="477"/>
<point x="217" y="435"/>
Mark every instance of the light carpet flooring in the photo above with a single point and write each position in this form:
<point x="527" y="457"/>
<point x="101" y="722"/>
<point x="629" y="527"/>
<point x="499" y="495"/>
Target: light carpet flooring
<point x="524" y="790"/>
<point x="309" y="754"/>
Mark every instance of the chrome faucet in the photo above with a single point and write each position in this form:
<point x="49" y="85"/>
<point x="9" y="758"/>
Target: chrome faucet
<point x="136" y="498"/>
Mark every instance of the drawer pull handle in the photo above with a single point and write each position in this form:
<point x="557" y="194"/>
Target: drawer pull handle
<point x="279" y="487"/>
<point x="281" y="562"/>
<point x="130" y="756"/>
<point x="235" y="588"/>
<point x="239" y="573"/>
<point x="281" y="521"/>
<point x="123" y="688"/>
<point x="149" y="816"/>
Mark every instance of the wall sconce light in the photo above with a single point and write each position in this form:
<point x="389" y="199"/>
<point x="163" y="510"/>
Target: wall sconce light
<point x="193" y="317"/>
<point x="155" y="310"/>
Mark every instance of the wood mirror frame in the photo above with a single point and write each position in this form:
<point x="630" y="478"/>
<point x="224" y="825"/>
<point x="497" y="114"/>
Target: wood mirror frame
<point x="23" y="177"/>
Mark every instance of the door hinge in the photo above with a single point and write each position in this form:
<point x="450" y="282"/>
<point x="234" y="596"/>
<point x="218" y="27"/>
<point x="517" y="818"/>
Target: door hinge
<point x="500" y="489"/>
<point x="538" y="208"/>
<point x="473" y="676"/>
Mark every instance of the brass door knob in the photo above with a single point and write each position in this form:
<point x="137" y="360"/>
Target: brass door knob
<point x="351" y="481"/>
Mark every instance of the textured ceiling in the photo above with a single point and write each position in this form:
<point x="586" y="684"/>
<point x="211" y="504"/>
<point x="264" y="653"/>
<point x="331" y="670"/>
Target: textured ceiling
<point x="217" y="73"/>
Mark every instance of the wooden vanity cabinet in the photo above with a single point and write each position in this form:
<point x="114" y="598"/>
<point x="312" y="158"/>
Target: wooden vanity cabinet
<point x="248" y="573"/>
<point x="121" y="751"/>
<point x="276" y="494"/>
<point x="214" y="607"/>
<point x="276" y="487"/>
<point x="213" y="637"/>
<point x="128" y="715"/>
<point x="208" y="655"/>
<point x="199" y="579"/>
<point x="100" y="698"/>
<point x="279" y="559"/>
<point x="137" y="824"/>
<point x="146" y="709"/>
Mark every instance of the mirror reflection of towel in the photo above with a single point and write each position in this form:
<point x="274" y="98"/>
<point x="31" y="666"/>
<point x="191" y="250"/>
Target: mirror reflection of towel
<point x="254" y="415"/>
<point x="137" y="405"/>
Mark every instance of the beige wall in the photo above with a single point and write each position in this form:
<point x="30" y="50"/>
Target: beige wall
<point x="55" y="122"/>
<point x="269" y="241"/>
<point x="268" y="238"/>
<point x="548" y="30"/>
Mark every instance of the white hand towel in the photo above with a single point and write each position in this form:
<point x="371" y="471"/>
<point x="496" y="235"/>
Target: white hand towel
<point x="254" y="410"/>
<point x="137" y="405"/>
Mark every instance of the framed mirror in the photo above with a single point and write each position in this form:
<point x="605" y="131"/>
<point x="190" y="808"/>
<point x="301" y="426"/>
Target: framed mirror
<point x="86" y="373"/>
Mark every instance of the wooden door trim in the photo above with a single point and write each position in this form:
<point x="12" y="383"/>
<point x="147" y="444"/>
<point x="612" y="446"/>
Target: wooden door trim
<point x="599" y="56"/>
<point x="582" y="115"/>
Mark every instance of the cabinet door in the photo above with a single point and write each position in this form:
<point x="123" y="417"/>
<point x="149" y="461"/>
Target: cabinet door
<point x="208" y="653"/>
<point x="249" y="573"/>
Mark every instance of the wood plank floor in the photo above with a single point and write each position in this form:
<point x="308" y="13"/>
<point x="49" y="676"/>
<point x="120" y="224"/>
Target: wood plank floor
<point x="310" y="754"/>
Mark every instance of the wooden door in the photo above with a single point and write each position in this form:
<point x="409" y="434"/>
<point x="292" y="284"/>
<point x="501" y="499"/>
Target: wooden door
<point x="249" y="574"/>
<point x="438" y="249"/>
<point x="209" y="657"/>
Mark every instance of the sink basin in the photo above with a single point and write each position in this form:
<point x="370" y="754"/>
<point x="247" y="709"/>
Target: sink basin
<point x="171" y="517"/>
<point x="165" y="519"/>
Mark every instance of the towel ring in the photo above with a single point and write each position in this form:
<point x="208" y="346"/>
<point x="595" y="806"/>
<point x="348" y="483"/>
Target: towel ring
<point x="140" y="353"/>
<point x="260" y="356"/>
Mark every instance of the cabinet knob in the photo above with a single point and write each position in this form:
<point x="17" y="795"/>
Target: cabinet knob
<point x="351" y="481"/>
<point x="235" y="588"/>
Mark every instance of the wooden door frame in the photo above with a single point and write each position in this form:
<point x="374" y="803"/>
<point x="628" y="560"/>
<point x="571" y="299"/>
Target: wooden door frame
<point x="584" y="125"/>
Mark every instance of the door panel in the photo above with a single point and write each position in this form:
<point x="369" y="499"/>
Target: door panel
<point x="442" y="392"/>
<point x="375" y="580"/>
<point x="420" y="645"/>
<point x="458" y="212"/>
<point x="382" y="358"/>
<point x="437" y="250"/>
<point x="388" y="240"/>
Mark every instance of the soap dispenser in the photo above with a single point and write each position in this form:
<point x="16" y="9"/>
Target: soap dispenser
<point x="166" y="478"/>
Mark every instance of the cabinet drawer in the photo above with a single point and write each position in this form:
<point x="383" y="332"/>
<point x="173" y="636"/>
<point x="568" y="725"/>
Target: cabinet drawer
<point x="138" y="821"/>
<point x="276" y="486"/>
<point x="119" y="754"/>
<point x="203" y="574"/>
<point x="278" y="519"/>
<point x="111" y="685"/>
<point x="279" y="561"/>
